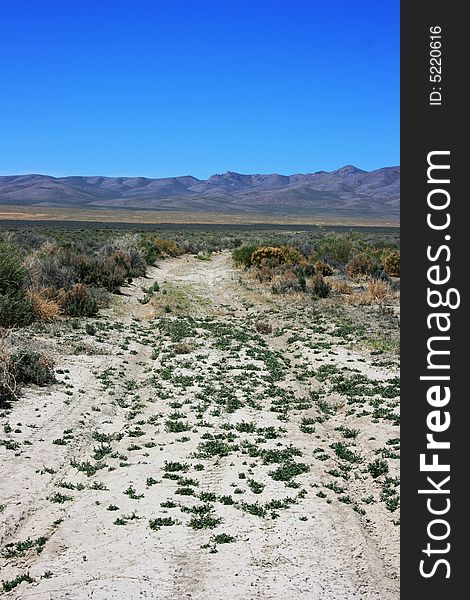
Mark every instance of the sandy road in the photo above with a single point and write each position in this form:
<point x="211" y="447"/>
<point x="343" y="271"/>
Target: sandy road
<point x="177" y="410"/>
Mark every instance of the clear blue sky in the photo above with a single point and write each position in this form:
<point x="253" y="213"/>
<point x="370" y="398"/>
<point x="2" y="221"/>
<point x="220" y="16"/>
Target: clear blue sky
<point x="161" y="88"/>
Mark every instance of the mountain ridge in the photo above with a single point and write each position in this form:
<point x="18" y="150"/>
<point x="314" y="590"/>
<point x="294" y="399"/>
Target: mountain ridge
<point x="348" y="190"/>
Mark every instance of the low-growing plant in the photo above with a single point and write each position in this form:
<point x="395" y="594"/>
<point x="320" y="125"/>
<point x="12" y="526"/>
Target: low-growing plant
<point x="11" y="584"/>
<point x="345" y="453"/>
<point x="287" y="471"/>
<point x="255" y="486"/>
<point x="223" y="538"/>
<point x="90" y="329"/>
<point x="377" y="468"/>
<point x="160" y="522"/>
<point x="204" y="521"/>
<point x="173" y="467"/>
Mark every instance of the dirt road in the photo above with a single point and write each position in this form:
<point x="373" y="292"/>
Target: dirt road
<point x="213" y="443"/>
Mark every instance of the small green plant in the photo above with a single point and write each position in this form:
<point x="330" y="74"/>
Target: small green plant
<point x="160" y="522"/>
<point x="101" y="451"/>
<point x="348" y="433"/>
<point x="215" y="540"/>
<point x="126" y="518"/>
<point x="173" y="426"/>
<point x="10" y="584"/>
<point x="377" y="468"/>
<point x="223" y="538"/>
<point x="87" y="467"/>
<point x="90" y="329"/>
<point x="227" y="500"/>
<point x="173" y="467"/>
<point x="98" y="486"/>
<point x="59" y="498"/>
<point x="78" y="302"/>
<point x="205" y="520"/>
<point x="131" y="492"/>
<point x="255" y="486"/>
<point x="20" y="548"/>
<point x="345" y="453"/>
<point x="289" y="470"/>
<point x="254" y="509"/>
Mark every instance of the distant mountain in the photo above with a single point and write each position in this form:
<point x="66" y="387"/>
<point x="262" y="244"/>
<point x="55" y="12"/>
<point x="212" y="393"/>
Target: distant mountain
<point x="348" y="191"/>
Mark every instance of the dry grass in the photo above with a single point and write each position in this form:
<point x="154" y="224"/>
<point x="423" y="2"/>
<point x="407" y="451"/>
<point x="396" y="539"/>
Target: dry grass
<point x="176" y="299"/>
<point x="19" y="213"/>
<point x="376" y="293"/>
<point x="8" y="384"/>
<point x="341" y="287"/>
<point x="45" y="306"/>
<point x="184" y="348"/>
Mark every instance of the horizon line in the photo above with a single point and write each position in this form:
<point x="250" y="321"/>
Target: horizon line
<point x="198" y="178"/>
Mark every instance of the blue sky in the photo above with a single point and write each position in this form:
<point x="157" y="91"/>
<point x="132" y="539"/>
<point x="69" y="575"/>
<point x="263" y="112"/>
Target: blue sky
<point x="163" y="88"/>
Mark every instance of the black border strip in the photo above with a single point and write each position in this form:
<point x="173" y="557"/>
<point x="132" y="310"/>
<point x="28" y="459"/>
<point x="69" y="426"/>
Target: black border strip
<point x="426" y="128"/>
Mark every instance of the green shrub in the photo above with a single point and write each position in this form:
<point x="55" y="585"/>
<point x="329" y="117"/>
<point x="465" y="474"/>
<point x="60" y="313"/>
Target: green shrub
<point x="130" y="247"/>
<point x="160" y="522"/>
<point x="336" y="248"/>
<point x="12" y="272"/>
<point x="323" y="268"/>
<point x="78" y="302"/>
<point x="301" y="277"/>
<point x="391" y="264"/>
<point x="53" y="267"/>
<point x="110" y="273"/>
<point x="292" y="255"/>
<point x="360" y="264"/>
<point x="15" y="307"/>
<point x="154" y="248"/>
<point x="22" y="368"/>
<point x="268" y="254"/>
<point x="168" y="247"/>
<point x="31" y="367"/>
<point x="15" y="310"/>
<point x="320" y="288"/>
<point x="242" y="256"/>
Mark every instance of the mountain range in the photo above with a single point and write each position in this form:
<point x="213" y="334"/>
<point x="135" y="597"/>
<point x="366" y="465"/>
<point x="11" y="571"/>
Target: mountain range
<point x="348" y="191"/>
